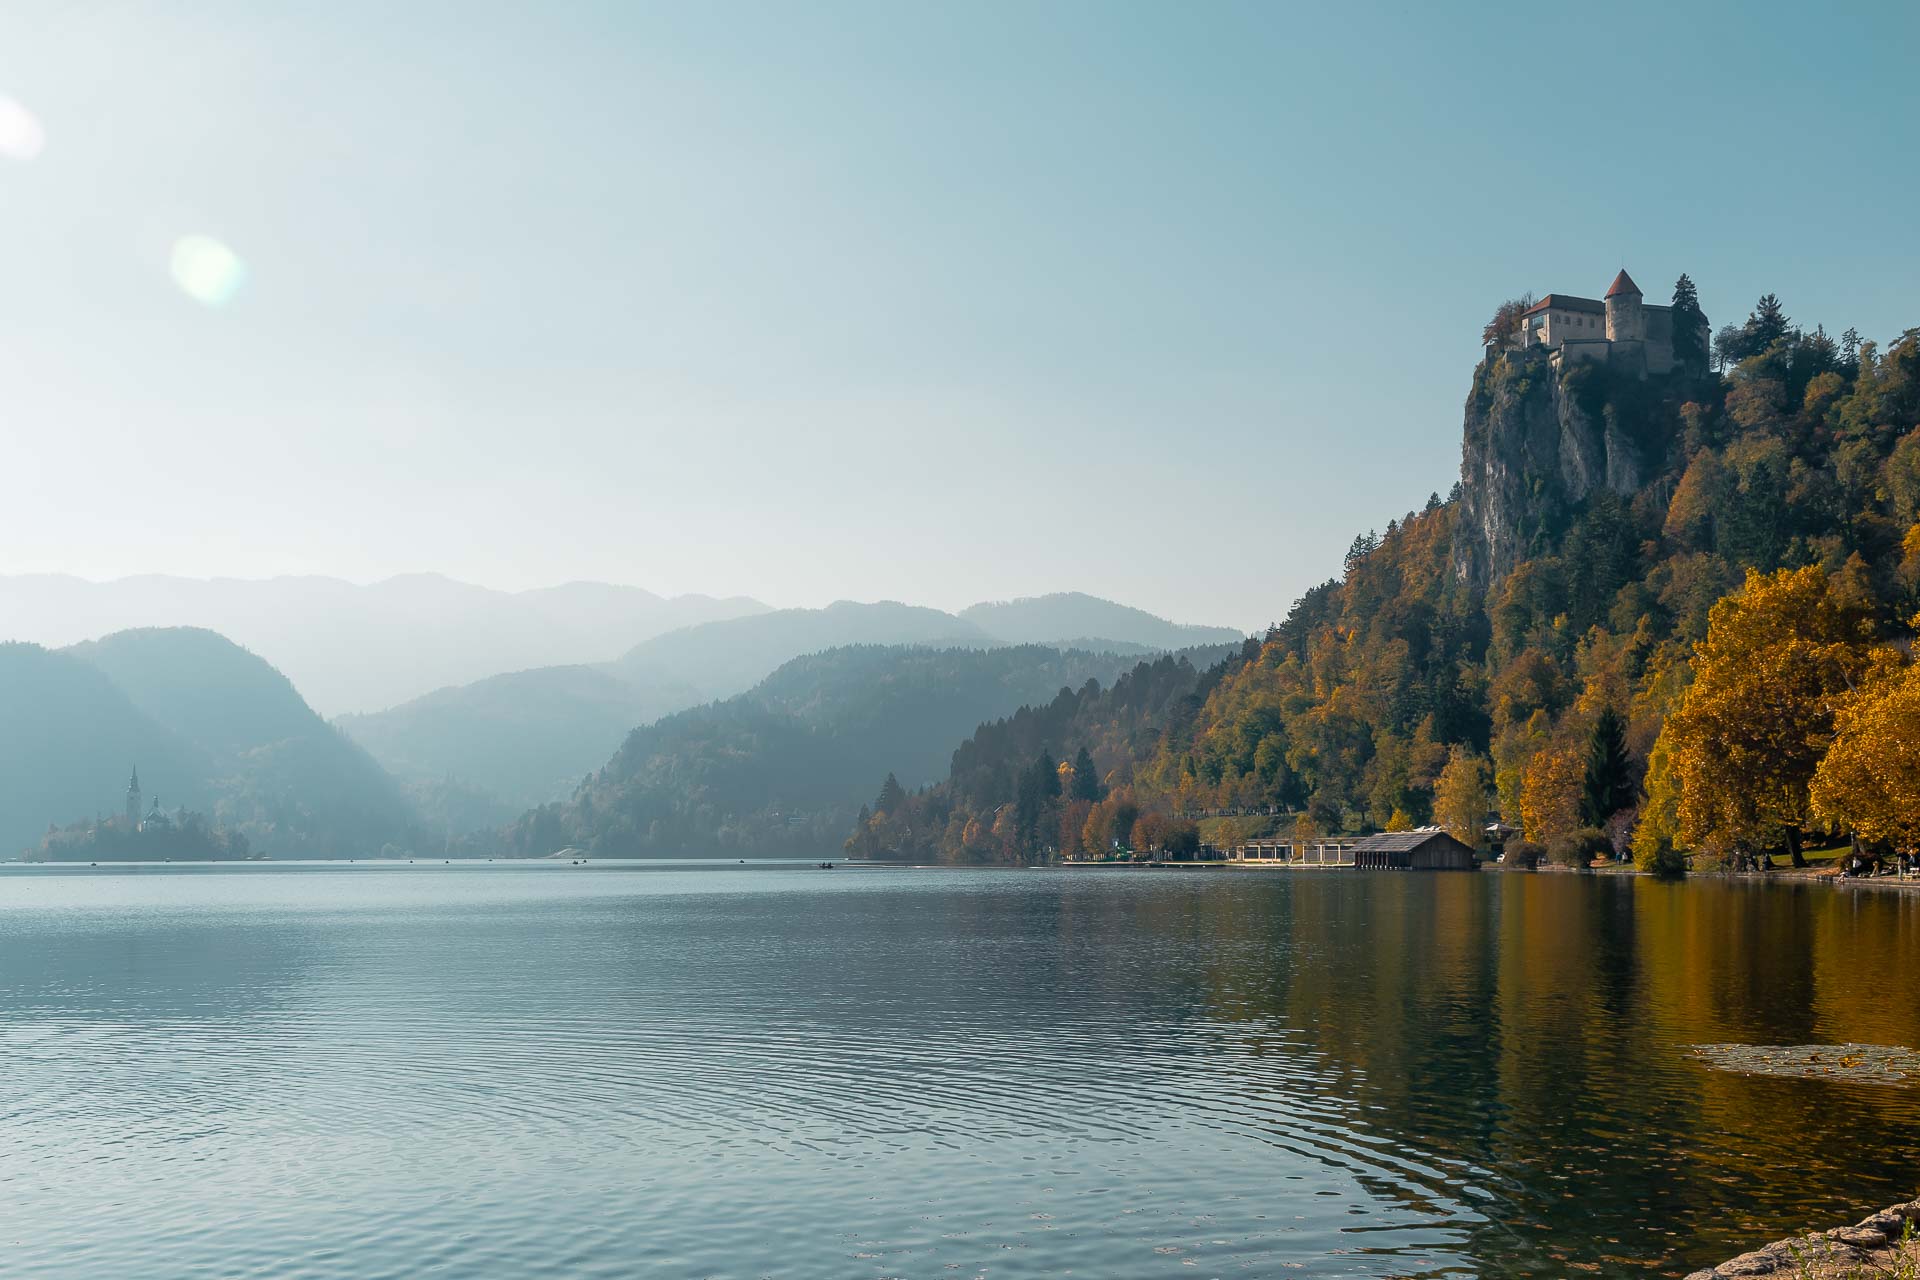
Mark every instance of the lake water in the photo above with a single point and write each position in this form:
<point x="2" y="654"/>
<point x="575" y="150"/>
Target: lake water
<point x="717" y="1070"/>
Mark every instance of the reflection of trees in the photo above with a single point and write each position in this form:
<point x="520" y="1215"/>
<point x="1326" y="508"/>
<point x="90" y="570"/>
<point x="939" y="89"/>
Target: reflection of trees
<point x="1527" y="1036"/>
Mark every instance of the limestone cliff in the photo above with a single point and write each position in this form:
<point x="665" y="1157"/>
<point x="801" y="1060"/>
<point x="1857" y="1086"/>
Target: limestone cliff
<point x="1537" y="442"/>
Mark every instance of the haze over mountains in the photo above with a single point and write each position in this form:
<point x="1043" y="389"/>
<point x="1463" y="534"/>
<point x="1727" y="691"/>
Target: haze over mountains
<point x="349" y="647"/>
<point x="784" y="767"/>
<point x="357" y="649"/>
<point x="516" y="740"/>
<point x="211" y="727"/>
<point x="479" y="754"/>
<point x="222" y="727"/>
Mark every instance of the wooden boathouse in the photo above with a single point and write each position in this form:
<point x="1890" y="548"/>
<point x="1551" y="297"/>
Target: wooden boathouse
<point x="1429" y="850"/>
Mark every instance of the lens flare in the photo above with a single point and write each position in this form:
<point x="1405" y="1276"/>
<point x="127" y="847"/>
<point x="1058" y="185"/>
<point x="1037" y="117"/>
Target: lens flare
<point x="207" y="271"/>
<point x="21" y="137"/>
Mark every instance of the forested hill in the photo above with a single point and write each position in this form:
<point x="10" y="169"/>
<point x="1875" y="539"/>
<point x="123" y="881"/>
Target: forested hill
<point x="782" y="768"/>
<point x="1530" y="637"/>
<point x="211" y="727"/>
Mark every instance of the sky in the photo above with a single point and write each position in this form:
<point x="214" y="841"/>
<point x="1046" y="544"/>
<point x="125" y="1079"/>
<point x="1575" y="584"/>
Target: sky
<point x="893" y="301"/>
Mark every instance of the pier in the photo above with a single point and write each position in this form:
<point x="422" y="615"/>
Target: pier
<point x="1294" y="853"/>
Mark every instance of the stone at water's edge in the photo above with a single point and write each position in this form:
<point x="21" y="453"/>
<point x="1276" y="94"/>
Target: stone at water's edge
<point x="1870" y="1241"/>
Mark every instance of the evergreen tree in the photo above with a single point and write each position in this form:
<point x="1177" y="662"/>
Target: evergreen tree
<point x="1768" y="323"/>
<point x="1086" y="778"/>
<point x="1038" y="786"/>
<point x="1363" y="546"/>
<point x="1689" y="326"/>
<point x="892" y="796"/>
<point x="1608" y="786"/>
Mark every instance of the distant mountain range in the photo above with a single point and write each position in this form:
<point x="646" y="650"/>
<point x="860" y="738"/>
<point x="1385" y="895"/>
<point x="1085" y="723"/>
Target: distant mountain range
<point x="211" y="727"/>
<point x="359" y="648"/>
<point x="353" y="649"/>
<point x="784" y="767"/>
<point x="1089" y="621"/>
<point x="476" y="755"/>
<point x="724" y="658"/>
<point x="221" y="725"/>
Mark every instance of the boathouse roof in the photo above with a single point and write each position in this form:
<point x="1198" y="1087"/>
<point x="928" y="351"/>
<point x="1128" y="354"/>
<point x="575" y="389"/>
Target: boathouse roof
<point x="1402" y="841"/>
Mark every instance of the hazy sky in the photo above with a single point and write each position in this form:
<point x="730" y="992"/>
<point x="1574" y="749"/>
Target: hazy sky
<point x="811" y="301"/>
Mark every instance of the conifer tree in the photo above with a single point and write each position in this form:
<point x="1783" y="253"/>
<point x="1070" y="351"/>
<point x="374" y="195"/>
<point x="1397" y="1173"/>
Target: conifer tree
<point x="1608" y="785"/>
<point x="1768" y="324"/>
<point x="1086" y="778"/>
<point x="1689" y="326"/>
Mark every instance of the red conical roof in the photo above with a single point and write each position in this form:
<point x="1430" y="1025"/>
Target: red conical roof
<point x="1623" y="283"/>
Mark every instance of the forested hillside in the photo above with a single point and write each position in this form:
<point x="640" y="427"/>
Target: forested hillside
<point x="1524" y="645"/>
<point x="720" y="659"/>
<point x="211" y="727"/>
<point x="68" y="740"/>
<point x="783" y="767"/>
<point x="475" y="756"/>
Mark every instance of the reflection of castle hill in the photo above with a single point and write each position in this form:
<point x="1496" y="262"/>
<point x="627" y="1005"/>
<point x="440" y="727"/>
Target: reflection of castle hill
<point x="132" y="836"/>
<point x="1593" y="991"/>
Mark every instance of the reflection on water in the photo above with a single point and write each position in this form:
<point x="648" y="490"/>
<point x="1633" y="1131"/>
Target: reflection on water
<point x="514" y="1070"/>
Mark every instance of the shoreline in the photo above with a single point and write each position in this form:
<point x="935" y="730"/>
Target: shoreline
<point x="1881" y="1240"/>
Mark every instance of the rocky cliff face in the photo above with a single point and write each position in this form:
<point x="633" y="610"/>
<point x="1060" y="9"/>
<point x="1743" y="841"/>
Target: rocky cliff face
<point x="1536" y="443"/>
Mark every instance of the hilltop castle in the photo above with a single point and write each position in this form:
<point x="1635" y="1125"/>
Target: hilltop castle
<point x="1623" y="330"/>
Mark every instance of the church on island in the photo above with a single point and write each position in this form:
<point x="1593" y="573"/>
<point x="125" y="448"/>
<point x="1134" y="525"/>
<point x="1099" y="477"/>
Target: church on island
<point x="155" y="820"/>
<point x="1622" y="330"/>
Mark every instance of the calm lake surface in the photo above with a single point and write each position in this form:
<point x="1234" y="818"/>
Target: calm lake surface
<point x="717" y="1070"/>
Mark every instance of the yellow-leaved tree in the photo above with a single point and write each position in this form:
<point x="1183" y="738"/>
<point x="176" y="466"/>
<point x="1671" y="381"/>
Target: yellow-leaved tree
<point x="1869" y="780"/>
<point x="1780" y="655"/>
<point x="1460" y="796"/>
<point x="1550" y="792"/>
<point x="1659" y="827"/>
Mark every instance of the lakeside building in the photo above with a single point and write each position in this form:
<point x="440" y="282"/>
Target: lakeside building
<point x="1428" y="849"/>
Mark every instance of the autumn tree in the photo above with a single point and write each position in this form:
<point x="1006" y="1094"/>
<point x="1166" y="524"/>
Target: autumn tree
<point x="1505" y="325"/>
<point x="1653" y="839"/>
<point x="1149" y="832"/>
<point x="1110" y="823"/>
<point x="1460" y="795"/>
<point x="1869" y="780"/>
<point x="1550" y="792"/>
<point x="1748" y="735"/>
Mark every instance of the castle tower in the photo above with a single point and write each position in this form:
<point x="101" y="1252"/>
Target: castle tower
<point x="133" y="799"/>
<point x="1625" y="321"/>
